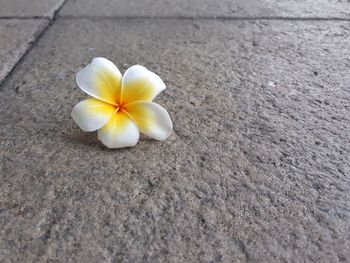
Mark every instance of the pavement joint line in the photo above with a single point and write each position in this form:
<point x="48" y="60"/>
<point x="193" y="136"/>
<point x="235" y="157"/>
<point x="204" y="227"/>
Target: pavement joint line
<point x="243" y="18"/>
<point x="24" y="17"/>
<point x="228" y="18"/>
<point x="56" y="16"/>
<point x="51" y="20"/>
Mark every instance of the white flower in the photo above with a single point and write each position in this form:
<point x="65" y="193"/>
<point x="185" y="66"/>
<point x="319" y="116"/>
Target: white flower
<point x="121" y="107"/>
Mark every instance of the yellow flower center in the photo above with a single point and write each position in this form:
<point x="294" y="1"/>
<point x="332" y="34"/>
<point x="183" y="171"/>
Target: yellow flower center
<point x="119" y="107"/>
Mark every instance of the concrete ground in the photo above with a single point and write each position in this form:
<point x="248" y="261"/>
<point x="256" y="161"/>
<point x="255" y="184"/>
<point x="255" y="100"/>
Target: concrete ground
<point x="257" y="168"/>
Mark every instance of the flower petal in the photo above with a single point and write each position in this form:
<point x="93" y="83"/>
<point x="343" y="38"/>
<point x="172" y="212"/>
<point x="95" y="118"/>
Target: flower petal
<point x="119" y="132"/>
<point x="101" y="79"/>
<point x="139" y="83"/>
<point x="92" y="114"/>
<point x="151" y="119"/>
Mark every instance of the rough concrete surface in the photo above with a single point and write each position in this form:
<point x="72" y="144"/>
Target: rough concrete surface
<point x="211" y="8"/>
<point x="25" y="8"/>
<point x="257" y="168"/>
<point x="16" y="37"/>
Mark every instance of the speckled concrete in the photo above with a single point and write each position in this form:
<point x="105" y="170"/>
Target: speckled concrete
<point x="16" y="36"/>
<point x="25" y="8"/>
<point x="209" y="8"/>
<point x="21" y="23"/>
<point x="257" y="168"/>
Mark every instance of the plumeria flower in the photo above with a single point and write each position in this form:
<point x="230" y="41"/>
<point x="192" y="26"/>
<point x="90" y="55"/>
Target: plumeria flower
<point x="121" y="107"/>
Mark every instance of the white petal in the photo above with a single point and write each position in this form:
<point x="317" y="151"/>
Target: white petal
<point x="101" y="79"/>
<point x="151" y="119"/>
<point x="92" y="114"/>
<point x="119" y="132"/>
<point x="139" y="83"/>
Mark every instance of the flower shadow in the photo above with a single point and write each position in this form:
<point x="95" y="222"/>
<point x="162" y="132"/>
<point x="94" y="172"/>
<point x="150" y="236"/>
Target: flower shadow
<point x="89" y="140"/>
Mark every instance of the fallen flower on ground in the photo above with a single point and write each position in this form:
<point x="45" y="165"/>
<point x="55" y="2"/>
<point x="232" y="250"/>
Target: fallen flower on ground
<point x="121" y="107"/>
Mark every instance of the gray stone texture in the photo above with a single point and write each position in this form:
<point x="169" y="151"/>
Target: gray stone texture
<point x="257" y="168"/>
<point x="29" y="8"/>
<point x="211" y="8"/>
<point x="16" y="37"/>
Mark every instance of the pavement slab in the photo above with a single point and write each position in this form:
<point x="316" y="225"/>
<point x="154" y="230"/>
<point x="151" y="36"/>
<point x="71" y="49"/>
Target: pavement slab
<point x="32" y="8"/>
<point x="16" y="37"/>
<point x="209" y="8"/>
<point x="257" y="168"/>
